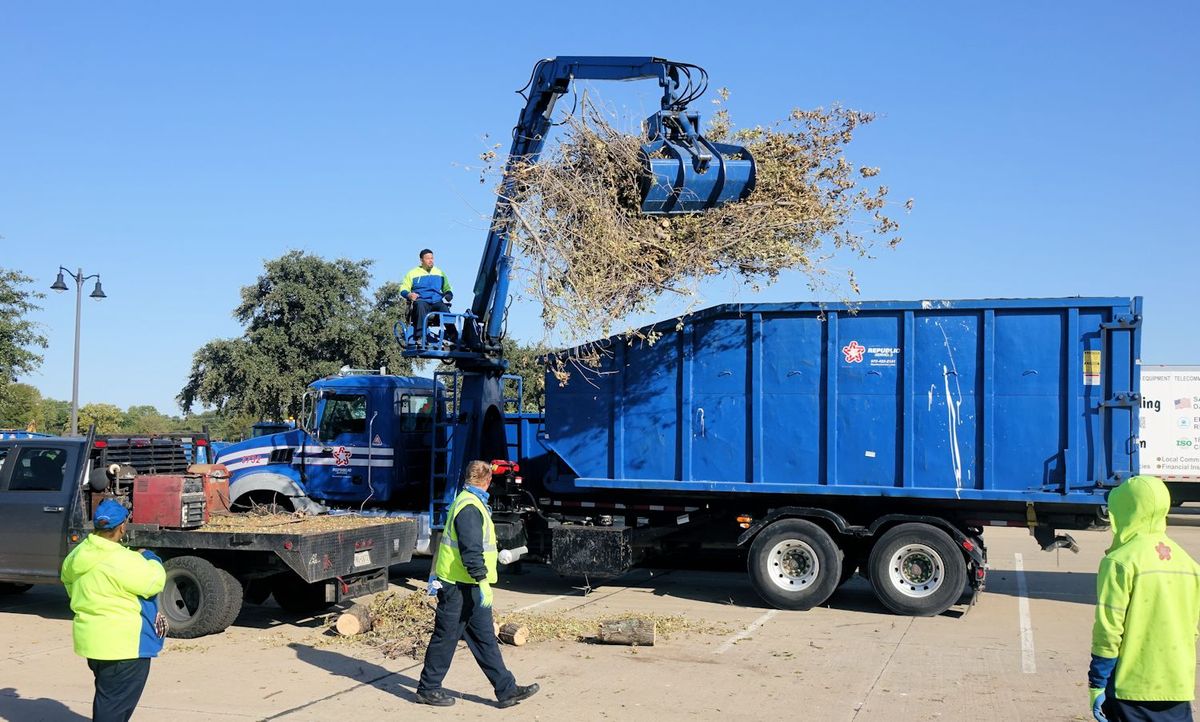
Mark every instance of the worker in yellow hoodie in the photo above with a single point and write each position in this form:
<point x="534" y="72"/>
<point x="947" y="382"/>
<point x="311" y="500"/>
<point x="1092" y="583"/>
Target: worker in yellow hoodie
<point x="117" y="627"/>
<point x="1147" y="611"/>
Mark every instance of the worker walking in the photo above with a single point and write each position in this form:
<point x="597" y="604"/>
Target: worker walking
<point x="117" y="628"/>
<point x="429" y="290"/>
<point x="466" y="569"/>
<point x="1148" y="607"/>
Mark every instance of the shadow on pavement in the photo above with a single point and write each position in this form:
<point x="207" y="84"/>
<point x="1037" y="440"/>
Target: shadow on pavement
<point x="1064" y="586"/>
<point x="370" y="674"/>
<point x="34" y="709"/>
<point x="48" y="601"/>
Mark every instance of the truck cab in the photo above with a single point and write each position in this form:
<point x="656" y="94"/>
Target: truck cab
<point x="365" y="439"/>
<point x="38" y="480"/>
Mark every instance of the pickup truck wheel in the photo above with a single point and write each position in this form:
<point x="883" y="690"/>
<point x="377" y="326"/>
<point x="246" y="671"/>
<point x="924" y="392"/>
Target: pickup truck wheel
<point x="14" y="587"/>
<point x="297" y="596"/>
<point x="917" y="570"/>
<point x="794" y="564"/>
<point x="196" y="598"/>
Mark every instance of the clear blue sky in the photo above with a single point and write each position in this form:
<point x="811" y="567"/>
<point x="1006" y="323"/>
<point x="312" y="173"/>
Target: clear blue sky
<point x="1051" y="147"/>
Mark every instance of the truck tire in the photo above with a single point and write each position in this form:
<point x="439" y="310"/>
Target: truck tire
<point x="794" y="564"/>
<point x="917" y="570"/>
<point x="14" y="587"/>
<point x="234" y="595"/>
<point x="196" y="599"/>
<point x="297" y="596"/>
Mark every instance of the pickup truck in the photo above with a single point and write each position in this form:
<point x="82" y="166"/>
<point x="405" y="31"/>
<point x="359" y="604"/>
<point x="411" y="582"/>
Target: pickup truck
<point x="48" y="486"/>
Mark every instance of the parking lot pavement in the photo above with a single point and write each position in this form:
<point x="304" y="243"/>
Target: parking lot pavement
<point x="1020" y="653"/>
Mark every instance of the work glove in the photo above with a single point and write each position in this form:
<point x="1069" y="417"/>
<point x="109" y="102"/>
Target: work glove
<point x="433" y="586"/>
<point x="448" y="296"/>
<point x="1099" y="673"/>
<point x="1098" y="697"/>
<point x="485" y="595"/>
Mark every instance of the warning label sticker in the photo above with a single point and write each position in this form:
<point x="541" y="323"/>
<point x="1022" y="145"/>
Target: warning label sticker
<point x="1091" y="368"/>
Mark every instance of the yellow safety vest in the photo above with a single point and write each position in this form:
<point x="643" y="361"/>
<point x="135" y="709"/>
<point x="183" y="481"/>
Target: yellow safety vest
<point x="449" y="562"/>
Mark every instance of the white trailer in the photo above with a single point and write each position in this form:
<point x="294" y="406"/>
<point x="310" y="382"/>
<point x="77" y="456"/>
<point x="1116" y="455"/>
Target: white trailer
<point x="1169" y="434"/>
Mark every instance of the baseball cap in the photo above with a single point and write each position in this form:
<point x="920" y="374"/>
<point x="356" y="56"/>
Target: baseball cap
<point x="109" y="514"/>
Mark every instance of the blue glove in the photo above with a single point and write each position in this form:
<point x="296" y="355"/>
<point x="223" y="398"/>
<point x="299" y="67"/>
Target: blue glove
<point x="1098" y="697"/>
<point x="1099" y="673"/>
<point x="434" y="585"/>
<point x="150" y="555"/>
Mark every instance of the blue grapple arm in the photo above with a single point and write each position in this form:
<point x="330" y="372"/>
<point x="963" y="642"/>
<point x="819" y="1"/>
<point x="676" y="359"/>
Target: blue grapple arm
<point x="683" y="172"/>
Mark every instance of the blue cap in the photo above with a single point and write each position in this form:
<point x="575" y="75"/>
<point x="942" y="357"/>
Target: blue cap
<point x="109" y="514"/>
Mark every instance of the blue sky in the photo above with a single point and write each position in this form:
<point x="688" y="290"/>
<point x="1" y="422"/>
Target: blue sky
<point x="1051" y="148"/>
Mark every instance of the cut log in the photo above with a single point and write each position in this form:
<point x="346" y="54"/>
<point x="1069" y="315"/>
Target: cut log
<point x="633" y="632"/>
<point x="514" y="634"/>
<point x="355" y="620"/>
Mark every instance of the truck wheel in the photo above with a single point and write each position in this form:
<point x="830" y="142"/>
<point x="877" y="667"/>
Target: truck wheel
<point x="196" y="598"/>
<point x="14" y="587"/>
<point x="297" y="596"/>
<point x="794" y="564"/>
<point x="916" y="569"/>
<point x="234" y="595"/>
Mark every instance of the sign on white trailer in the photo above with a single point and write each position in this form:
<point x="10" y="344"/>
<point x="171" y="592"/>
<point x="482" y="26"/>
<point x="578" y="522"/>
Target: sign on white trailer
<point x="1169" y="436"/>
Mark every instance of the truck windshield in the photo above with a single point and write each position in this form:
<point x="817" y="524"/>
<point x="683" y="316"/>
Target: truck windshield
<point x="344" y="414"/>
<point x="415" y="411"/>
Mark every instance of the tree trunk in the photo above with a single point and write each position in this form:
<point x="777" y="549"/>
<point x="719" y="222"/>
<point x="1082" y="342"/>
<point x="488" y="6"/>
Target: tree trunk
<point x="633" y="632"/>
<point x="514" y="634"/>
<point x="355" y="620"/>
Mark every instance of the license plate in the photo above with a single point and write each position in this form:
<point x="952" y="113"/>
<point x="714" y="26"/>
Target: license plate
<point x="362" y="559"/>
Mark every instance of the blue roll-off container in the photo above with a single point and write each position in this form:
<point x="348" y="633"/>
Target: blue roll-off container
<point x="999" y="400"/>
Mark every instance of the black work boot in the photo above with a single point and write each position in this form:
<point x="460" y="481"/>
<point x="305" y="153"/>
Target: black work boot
<point x="521" y="694"/>
<point x="435" y="697"/>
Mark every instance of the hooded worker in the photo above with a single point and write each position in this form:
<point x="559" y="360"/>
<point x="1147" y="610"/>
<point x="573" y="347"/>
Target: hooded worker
<point x="1148" y="607"/>
<point x="117" y="627"/>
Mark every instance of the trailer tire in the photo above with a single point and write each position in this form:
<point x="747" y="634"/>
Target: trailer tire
<point x="794" y="564"/>
<point x="917" y="570"/>
<point x="196" y="598"/>
<point x="297" y="596"/>
<point x="14" y="587"/>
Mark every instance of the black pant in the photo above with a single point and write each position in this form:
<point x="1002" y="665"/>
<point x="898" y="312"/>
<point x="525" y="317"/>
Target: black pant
<point x="459" y="614"/>
<point x="424" y="307"/>
<point x="119" y="685"/>
<point x="1120" y="710"/>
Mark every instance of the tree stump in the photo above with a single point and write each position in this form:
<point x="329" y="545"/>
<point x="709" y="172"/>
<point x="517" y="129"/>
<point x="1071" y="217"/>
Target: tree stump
<point x="355" y="620"/>
<point x="632" y="632"/>
<point x="514" y="634"/>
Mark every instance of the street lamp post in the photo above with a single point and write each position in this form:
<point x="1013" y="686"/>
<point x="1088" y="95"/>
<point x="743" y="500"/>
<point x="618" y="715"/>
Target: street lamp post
<point x="97" y="293"/>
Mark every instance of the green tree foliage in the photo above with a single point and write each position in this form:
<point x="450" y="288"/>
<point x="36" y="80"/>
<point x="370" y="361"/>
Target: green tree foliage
<point x="304" y="318"/>
<point x="147" y="420"/>
<point x="18" y="335"/>
<point x="20" y="407"/>
<point x="55" y="417"/>
<point x="525" y="361"/>
<point x="106" y="417"/>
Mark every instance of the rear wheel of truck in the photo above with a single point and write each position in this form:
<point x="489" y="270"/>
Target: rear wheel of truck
<point x="794" y="564"/>
<point x="197" y="598"/>
<point x="297" y="596"/>
<point x="917" y="569"/>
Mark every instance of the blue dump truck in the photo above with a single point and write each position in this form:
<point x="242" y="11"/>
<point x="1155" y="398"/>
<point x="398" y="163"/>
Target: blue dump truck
<point x="820" y="439"/>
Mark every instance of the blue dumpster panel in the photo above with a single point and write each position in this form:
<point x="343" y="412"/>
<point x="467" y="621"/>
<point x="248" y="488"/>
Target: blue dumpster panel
<point x="979" y="399"/>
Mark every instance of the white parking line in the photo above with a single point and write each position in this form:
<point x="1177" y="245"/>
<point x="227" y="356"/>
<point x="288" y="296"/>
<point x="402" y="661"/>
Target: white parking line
<point x="1028" y="658"/>
<point x="728" y="645"/>
<point x="535" y="605"/>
